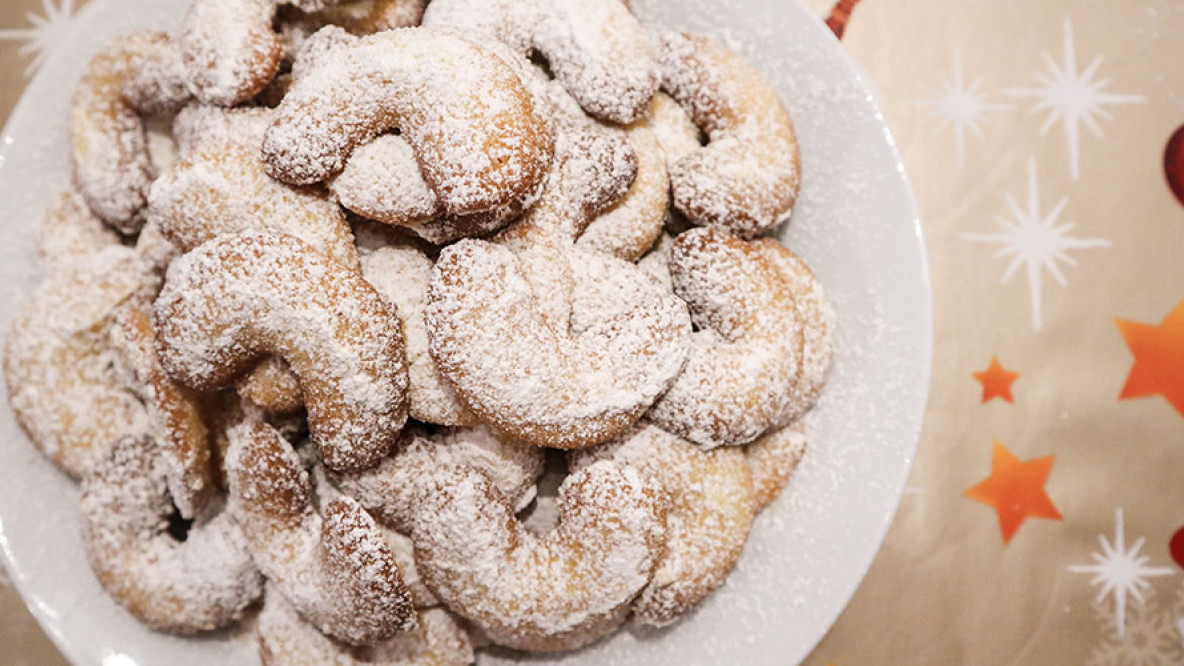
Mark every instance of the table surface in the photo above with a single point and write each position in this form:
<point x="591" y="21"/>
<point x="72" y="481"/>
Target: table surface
<point x="1043" y="521"/>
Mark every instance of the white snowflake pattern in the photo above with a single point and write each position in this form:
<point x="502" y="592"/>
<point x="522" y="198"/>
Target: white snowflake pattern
<point x="1150" y="638"/>
<point x="1120" y="572"/>
<point x="1177" y="611"/>
<point x="1037" y="241"/>
<point x="46" y="33"/>
<point x="1073" y="97"/>
<point x="961" y="107"/>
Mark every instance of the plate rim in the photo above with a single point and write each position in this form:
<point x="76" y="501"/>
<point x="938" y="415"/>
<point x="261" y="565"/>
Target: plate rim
<point x="869" y="88"/>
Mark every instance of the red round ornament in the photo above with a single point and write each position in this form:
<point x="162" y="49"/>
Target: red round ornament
<point x="1176" y="546"/>
<point x="1173" y="163"/>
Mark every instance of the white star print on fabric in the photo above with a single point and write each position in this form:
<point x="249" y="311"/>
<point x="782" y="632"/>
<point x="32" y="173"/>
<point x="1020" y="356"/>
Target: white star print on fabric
<point x="1073" y="97"/>
<point x="961" y="107"/>
<point x="1120" y="573"/>
<point x="1036" y="241"/>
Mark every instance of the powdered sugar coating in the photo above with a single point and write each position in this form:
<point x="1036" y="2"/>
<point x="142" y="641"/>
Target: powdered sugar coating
<point x="382" y="181"/>
<point x="240" y="297"/>
<point x="478" y="139"/>
<point x="773" y="458"/>
<point x="136" y="75"/>
<point x="59" y="368"/>
<point x="656" y="262"/>
<point x="229" y="49"/>
<point x="155" y="249"/>
<point x="333" y="566"/>
<point x="512" y="466"/>
<point x="219" y="187"/>
<point x="746" y="178"/>
<point x="401" y="274"/>
<point x="554" y="592"/>
<point x="746" y="356"/>
<point x="162" y="149"/>
<point x="404" y="551"/>
<point x="388" y="489"/>
<point x="174" y="412"/>
<point x="368" y="16"/>
<point x="402" y="548"/>
<point x="630" y="227"/>
<point x="673" y="128"/>
<point x="201" y="584"/>
<point x="286" y="640"/>
<point x="199" y="125"/>
<point x="313" y="5"/>
<point x="818" y="321"/>
<point x="564" y="382"/>
<point x="707" y="524"/>
<point x="818" y="328"/>
<point x="593" y="168"/>
<point x="595" y="48"/>
<point x="272" y="387"/>
<point x="357" y="17"/>
<point x="70" y="231"/>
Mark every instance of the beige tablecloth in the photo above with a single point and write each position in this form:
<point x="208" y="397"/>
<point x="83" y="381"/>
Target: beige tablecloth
<point x="1044" y="521"/>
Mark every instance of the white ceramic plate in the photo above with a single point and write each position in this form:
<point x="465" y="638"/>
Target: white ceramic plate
<point x="856" y="224"/>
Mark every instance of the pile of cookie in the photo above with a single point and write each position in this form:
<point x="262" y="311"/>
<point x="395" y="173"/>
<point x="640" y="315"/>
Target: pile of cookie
<point x="334" y="281"/>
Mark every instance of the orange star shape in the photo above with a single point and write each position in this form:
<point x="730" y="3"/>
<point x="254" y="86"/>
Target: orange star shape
<point x="1159" y="358"/>
<point x="996" y="381"/>
<point x="1016" y="490"/>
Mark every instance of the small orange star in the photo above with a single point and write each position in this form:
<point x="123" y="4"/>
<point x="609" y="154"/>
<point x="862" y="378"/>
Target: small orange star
<point x="1016" y="490"/>
<point x="1159" y="358"/>
<point x="996" y="381"/>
